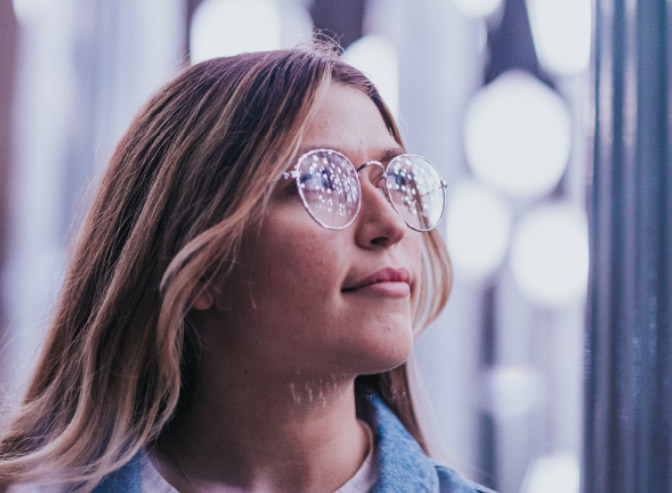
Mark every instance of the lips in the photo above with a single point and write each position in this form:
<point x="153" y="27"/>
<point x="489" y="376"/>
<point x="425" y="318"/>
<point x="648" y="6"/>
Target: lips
<point x="388" y="281"/>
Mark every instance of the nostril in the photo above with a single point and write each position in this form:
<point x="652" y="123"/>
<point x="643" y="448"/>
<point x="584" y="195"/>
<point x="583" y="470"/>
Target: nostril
<point x="381" y="241"/>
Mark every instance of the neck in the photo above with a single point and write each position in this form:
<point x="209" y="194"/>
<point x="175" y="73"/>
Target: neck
<point x="261" y="432"/>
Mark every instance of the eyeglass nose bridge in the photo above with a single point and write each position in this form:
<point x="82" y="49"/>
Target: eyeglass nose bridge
<point x="373" y="163"/>
<point x="382" y="169"/>
<point x="370" y="163"/>
<point x="384" y="187"/>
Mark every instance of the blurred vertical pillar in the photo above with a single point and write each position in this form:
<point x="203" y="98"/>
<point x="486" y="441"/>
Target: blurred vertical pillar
<point x="342" y="20"/>
<point x="82" y="69"/>
<point x="628" y="439"/>
<point x="440" y="67"/>
<point x="7" y="62"/>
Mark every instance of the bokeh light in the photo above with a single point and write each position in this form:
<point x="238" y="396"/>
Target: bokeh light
<point x="477" y="8"/>
<point x="517" y="134"/>
<point x="553" y="473"/>
<point x="513" y="391"/>
<point x="549" y="256"/>
<point x="229" y="27"/>
<point x="562" y="33"/>
<point x="377" y="58"/>
<point x="478" y="227"/>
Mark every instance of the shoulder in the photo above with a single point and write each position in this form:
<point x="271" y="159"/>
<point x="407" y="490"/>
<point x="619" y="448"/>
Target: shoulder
<point x="404" y="466"/>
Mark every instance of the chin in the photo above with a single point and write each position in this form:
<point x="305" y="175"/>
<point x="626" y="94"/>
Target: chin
<point x="385" y="352"/>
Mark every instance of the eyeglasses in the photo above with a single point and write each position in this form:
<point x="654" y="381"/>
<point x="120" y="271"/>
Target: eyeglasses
<point x="328" y="184"/>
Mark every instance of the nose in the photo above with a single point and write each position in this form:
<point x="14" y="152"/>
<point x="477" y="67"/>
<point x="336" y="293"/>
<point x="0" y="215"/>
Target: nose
<point x="378" y="225"/>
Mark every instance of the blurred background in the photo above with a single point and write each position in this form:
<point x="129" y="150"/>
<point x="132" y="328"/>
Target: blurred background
<point x="495" y="92"/>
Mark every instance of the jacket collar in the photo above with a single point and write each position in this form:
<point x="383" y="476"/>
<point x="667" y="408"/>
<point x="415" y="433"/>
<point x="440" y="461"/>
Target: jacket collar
<point x="402" y="464"/>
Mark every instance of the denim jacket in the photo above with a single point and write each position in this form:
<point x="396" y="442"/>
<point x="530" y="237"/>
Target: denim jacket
<point x="402" y="465"/>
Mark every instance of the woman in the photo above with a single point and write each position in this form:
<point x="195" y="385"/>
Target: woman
<point x="242" y="299"/>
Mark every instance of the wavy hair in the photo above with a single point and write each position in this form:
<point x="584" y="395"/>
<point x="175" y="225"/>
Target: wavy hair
<point x="190" y="176"/>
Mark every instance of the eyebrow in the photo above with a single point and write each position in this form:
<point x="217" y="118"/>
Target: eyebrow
<point x="384" y="156"/>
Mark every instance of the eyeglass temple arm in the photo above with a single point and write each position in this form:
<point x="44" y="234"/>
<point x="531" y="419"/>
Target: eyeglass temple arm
<point x="286" y="175"/>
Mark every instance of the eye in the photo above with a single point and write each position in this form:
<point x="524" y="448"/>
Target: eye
<point x="399" y="178"/>
<point x="396" y="182"/>
<point x="401" y="187"/>
<point x="318" y="180"/>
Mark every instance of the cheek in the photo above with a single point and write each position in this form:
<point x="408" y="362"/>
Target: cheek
<point x="292" y="269"/>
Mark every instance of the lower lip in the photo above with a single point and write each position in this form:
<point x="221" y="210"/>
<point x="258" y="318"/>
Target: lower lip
<point x="388" y="289"/>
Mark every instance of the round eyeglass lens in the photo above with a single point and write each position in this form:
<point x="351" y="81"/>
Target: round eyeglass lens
<point x="416" y="191"/>
<point x="329" y="187"/>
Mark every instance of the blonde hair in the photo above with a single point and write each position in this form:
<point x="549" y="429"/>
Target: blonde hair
<point x="191" y="174"/>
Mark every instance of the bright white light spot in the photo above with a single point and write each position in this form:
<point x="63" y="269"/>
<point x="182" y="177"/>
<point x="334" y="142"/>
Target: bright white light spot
<point x="296" y="24"/>
<point x="513" y="391"/>
<point x="555" y="473"/>
<point x="562" y="33"/>
<point x="517" y="135"/>
<point x="229" y="27"/>
<point x="549" y="255"/>
<point x="477" y="8"/>
<point x="478" y="223"/>
<point x="376" y="57"/>
<point x="27" y="10"/>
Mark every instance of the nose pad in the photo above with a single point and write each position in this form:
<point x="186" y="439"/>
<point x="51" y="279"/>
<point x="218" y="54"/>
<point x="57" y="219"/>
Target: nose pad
<point x="380" y="225"/>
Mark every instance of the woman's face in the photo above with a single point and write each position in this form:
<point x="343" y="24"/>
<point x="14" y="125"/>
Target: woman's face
<point x="299" y="299"/>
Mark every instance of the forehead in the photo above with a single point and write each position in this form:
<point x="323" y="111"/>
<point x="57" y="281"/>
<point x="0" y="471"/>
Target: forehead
<point x="346" y="119"/>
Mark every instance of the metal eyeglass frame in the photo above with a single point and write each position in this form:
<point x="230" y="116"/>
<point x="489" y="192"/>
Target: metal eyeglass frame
<point x="296" y="175"/>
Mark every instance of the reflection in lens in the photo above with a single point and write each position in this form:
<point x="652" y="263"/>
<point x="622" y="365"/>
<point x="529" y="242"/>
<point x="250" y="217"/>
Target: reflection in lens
<point x="329" y="188"/>
<point x="416" y="191"/>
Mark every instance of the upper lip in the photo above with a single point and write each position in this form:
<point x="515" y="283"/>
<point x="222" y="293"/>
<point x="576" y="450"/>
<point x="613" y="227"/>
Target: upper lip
<point x="387" y="274"/>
